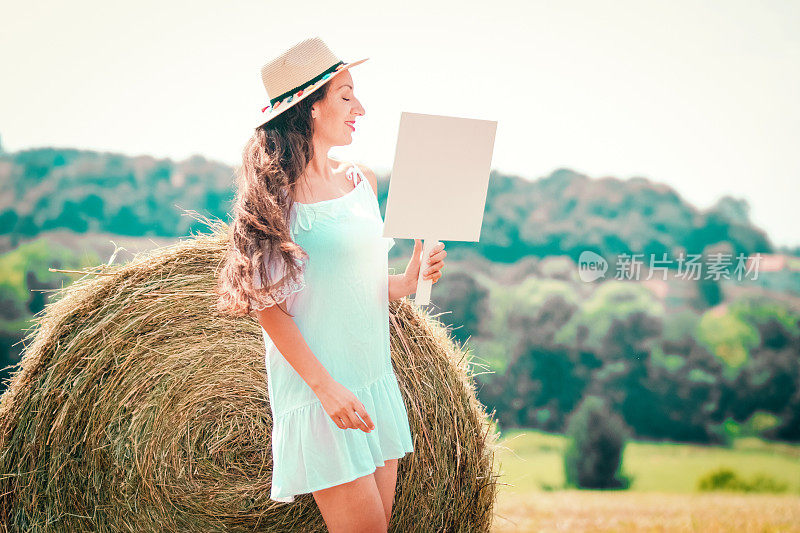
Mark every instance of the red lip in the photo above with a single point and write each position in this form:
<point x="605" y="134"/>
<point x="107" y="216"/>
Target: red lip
<point x="354" y="128"/>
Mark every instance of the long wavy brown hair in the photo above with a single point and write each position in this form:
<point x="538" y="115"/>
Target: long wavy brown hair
<point x="272" y="161"/>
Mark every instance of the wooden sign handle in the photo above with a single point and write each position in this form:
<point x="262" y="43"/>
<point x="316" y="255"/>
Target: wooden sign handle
<point x="423" y="292"/>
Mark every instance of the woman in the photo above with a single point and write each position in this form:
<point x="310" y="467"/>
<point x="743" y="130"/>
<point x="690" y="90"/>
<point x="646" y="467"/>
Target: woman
<point x="307" y="236"/>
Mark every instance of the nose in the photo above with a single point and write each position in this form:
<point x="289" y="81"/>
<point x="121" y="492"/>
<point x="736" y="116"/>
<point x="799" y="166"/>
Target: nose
<point x="359" y="109"/>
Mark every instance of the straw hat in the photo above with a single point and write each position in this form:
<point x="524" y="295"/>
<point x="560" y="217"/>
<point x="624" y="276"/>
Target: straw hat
<point x="296" y="73"/>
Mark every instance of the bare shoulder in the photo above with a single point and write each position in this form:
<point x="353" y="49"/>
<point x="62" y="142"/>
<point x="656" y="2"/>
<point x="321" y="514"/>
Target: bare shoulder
<point x="371" y="178"/>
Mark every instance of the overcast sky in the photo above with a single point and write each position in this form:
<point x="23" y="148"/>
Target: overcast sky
<point x="701" y="95"/>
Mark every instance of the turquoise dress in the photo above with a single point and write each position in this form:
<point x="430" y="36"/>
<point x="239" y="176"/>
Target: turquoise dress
<point x="341" y="307"/>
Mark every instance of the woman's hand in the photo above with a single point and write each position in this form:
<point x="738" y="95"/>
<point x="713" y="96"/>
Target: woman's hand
<point x="432" y="269"/>
<point x="342" y="405"/>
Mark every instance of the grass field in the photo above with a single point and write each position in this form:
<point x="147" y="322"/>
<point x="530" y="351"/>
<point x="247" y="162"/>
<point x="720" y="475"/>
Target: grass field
<point x="663" y="494"/>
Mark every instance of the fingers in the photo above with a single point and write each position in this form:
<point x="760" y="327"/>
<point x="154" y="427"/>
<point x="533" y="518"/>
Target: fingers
<point x="438" y="253"/>
<point x="434" y="276"/>
<point x="438" y="259"/>
<point x="353" y="422"/>
<point x="435" y="263"/>
<point x="359" y="423"/>
<point x="355" y="417"/>
<point x="343" y="421"/>
<point x="338" y="422"/>
<point x="362" y="412"/>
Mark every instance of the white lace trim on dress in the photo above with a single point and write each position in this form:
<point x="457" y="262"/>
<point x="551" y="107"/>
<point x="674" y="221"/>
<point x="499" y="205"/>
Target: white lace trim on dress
<point x="277" y="271"/>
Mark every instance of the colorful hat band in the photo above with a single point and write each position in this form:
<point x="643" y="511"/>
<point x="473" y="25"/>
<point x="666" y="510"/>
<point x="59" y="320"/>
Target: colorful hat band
<point x="288" y="96"/>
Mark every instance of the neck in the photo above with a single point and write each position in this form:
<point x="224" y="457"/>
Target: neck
<point x="319" y="168"/>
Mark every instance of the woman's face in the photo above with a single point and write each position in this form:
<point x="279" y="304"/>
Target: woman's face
<point x="333" y="115"/>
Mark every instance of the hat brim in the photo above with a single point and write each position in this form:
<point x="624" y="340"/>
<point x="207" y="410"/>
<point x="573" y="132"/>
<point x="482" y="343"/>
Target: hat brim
<point x="280" y="107"/>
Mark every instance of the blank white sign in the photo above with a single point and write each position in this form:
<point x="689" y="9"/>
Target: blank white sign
<point x="440" y="177"/>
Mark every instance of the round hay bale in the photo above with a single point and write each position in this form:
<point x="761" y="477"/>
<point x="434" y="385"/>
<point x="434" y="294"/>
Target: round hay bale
<point x="137" y="407"/>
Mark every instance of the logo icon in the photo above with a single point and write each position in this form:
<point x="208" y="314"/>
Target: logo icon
<point x="591" y="266"/>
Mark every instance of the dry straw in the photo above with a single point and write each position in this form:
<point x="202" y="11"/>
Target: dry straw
<point x="137" y="407"/>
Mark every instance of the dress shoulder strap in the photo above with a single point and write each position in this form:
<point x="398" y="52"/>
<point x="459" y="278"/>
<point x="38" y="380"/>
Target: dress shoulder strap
<point x="355" y="175"/>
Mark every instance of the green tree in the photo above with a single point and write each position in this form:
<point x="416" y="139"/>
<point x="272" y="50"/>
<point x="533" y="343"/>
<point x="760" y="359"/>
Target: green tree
<point x="593" y="457"/>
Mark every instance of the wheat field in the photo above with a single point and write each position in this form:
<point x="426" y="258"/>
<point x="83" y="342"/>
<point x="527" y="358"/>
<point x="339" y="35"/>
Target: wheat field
<point x="662" y="497"/>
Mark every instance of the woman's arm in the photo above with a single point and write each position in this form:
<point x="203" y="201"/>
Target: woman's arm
<point x="406" y="283"/>
<point x="399" y="286"/>
<point x="340" y="403"/>
<point x="293" y="347"/>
